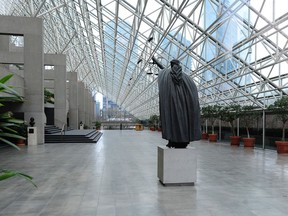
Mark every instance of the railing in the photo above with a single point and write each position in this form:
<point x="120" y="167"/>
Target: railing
<point x="63" y="129"/>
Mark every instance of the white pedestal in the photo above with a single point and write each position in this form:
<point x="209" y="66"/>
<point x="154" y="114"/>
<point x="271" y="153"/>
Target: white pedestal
<point x="177" y="166"/>
<point x="81" y="127"/>
<point x="32" y="136"/>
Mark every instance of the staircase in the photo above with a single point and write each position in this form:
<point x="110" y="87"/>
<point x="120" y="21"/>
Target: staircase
<point x="51" y="129"/>
<point x="75" y="136"/>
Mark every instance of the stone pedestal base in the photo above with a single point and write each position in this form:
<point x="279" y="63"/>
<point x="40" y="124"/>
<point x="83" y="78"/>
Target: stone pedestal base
<point x="32" y="136"/>
<point x="177" y="166"/>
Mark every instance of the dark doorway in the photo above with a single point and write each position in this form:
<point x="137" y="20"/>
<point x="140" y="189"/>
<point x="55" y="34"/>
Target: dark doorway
<point x="49" y="112"/>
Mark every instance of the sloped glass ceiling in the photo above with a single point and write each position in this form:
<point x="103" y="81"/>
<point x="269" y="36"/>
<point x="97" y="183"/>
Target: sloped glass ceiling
<point x="234" y="50"/>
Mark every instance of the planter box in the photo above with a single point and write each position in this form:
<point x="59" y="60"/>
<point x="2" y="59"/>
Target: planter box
<point x="282" y="147"/>
<point x="235" y="140"/>
<point x="177" y="166"/>
<point x="213" y="137"/>
<point x="204" y="136"/>
<point x="249" y="142"/>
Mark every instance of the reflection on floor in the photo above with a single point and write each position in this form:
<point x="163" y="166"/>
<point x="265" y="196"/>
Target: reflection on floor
<point x="118" y="176"/>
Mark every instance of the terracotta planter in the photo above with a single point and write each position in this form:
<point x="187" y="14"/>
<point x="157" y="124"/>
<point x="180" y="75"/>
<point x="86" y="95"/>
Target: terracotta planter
<point x="152" y="129"/>
<point x="282" y="147"/>
<point x="204" y="136"/>
<point x="21" y="142"/>
<point x="249" y="142"/>
<point x="212" y="137"/>
<point x="235" y="140"/>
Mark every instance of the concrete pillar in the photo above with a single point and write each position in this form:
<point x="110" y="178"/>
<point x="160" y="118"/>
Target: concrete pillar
<point x="59" y="79"/>
<point x="73" y="100"/>
<point x="81" y="103"/>
<point x="32" y="29"/>
<point x="90" y="109"/>
<point x="93" y="119"/>
<point x="91" y="114"/>
<point x="4" y="42"/>
<point x="86" y="96"/>
<point x="4" y="46"/>
<point x="33" y="79"/>
<point x="60" y="112"/>
<point x="94" y="110"/>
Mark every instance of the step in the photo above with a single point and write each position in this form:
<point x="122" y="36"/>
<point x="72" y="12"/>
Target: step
<point x="51" y="129"/>
<point x="92" y="137"/>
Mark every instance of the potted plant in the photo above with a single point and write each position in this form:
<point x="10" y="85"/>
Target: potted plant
<point x="229" y="114"/>
<point x="211" y="112"/>
<point x="22" y="131"/>
<point x="153" y="122"/>
<point x="248" y="116"/>
<point x="98" y="125"/>
<point x="280" y="108"/>
<point x="7" y="127"/>
<point x="204" y="135"/>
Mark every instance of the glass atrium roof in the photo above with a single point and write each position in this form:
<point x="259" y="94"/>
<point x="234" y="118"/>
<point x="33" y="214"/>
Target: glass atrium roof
<point x="234" y="50"/>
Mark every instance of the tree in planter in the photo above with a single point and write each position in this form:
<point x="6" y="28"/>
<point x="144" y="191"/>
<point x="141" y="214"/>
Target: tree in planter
<point x="211" y="112"/>
<point x="98" y="125"/>
<point x="8" y="125"/>
<point x="22" y="131"/>
<point x="280" y="108"/>
<point x="153" y="122"/>
<point x="248" y="115"/>
<point x="203" y="121"/>
<point x="229" y="114"/>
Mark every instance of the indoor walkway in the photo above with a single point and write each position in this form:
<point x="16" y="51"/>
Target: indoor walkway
<point x="118" y="177"/>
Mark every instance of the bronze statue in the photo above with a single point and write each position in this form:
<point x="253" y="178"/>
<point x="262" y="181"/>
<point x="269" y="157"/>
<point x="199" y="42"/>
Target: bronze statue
<point x="32" y="122"/>
<point x="179" y="107"/>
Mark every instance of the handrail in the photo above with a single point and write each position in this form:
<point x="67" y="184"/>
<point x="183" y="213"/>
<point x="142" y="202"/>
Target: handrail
<point x="63" y="129"/>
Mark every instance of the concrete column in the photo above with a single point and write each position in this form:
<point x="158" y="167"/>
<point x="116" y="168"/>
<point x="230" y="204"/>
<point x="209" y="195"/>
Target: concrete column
<point x="94" y="110"/>
<point x="4" y="42"/>
<point x="73" y="100"/>
<point x="91" y="109"/>
<point x="81" y="103"/>
<point x="33" y="78"/>
<point x="87" y="98"/>
<point x="32" y="29"/>
<point x="4" y="46"/>
<point x="90" y="116"/>
<point x="59" y="79"/>
<point x="93" y="118"/>
<point x="60" y="112"/>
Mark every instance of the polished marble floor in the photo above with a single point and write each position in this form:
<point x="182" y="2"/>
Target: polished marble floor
<point x="118" y="177"/>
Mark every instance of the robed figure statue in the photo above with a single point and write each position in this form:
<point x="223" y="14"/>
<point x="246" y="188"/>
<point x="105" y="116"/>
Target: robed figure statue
<point x="179" y="107"/>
